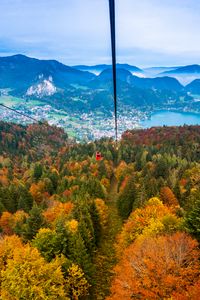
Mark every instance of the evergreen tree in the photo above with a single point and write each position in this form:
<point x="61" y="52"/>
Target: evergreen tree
<point x="9" y="198"/>
<point x="54" y="180"/>
<point x="162" y="168"/>
<point x="48" y="242"/>
<point x="38" y="170"/>
<point x="86" y="229"/>
<point x="126" y="199"/>
<point x="94" y="188"/>
<point x="140" y="197"/>
<point x="2" y="208"/>
<point x="78" y="254"/>
<point x="102" y="169"/>
<point x="33" y="223"/>
<point x="87" y="234"/>
<point x="193" y="220"/>
<point x="25" y="201"/>
<point x="96" y="222"/>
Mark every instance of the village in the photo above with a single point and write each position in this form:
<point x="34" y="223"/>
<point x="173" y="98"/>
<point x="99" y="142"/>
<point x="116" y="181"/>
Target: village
<point x="82" y="126"/>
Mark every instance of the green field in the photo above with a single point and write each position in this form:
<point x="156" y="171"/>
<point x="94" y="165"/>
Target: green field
<point x="10" y="101"/>
<point x="13" y="101"/>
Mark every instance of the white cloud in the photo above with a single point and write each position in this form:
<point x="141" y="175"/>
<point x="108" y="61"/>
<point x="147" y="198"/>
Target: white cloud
<point x="77" y="31"/>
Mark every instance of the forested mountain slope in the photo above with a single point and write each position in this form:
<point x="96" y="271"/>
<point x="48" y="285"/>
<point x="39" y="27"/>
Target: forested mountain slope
<point x="77" y="90"/>
<point x="58" y="206"/>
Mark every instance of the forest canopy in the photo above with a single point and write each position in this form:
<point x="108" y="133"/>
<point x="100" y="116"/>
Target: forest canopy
<point x="71" y="225"/>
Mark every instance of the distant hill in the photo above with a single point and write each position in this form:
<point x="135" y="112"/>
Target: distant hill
<point x="194" y="87"/>
<point x="20" y="73"/>
<point x="158" y="83"/>
<point x="105" y="77"/>
<point x="154" y="71"/>
<point x="191" y="69"/>
<point x="97" y="69"/>
<point x="184" y="74"/>
<point x="39" y="139"/>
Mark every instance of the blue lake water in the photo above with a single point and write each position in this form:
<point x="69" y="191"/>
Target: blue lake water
<point x="171" y="118"/>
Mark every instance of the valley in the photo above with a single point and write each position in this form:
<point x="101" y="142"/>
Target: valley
<point x="90" y="125"/>
<point x="80" y="98"/>
<point x="82" y="126"/>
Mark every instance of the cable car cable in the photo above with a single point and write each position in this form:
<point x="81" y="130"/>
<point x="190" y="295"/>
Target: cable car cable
<point x="29" y="117"/>
<point x="113" y="46"/>
<point x="19" y="113"/>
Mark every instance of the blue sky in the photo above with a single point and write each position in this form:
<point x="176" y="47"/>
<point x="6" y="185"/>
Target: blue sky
<point x="149" y="32"/>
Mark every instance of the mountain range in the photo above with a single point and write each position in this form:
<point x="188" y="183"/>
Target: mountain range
<point x="62" y="86"/>
<point x="97" y="69"/>
<point x="20" y="72"/>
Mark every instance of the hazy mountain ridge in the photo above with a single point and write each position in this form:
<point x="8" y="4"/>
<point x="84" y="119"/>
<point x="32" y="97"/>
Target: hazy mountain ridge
<point x="97" y="69"/>
<point x="185" y="74"/>
<point x="19" y="72"/>
<point x="184" y="70"/>
<point x="194" y="87"/>
<point x="71" y="89"/>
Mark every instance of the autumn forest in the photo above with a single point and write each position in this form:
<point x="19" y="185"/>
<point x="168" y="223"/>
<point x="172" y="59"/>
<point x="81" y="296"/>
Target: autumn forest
<point x="124" y="227"/>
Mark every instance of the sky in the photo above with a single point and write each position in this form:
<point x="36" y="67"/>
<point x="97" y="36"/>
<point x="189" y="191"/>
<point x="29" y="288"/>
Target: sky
<point x="148" y="32"/>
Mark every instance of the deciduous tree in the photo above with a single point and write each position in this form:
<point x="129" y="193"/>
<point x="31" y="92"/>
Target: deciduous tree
<point x="156" y="268"/>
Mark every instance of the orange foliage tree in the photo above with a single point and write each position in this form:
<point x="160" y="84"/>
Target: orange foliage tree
<point x="6" y="223"/>
<point x="168" y="197"/>
<point x="192" y="293"/>
<point x="9" y="221"/>
<point x="4" y="176"/>
<point x="155" y="268"/>
<point x="57" y="210"/>
<point x="37" y="191"/>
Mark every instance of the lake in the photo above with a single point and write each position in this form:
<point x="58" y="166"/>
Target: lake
<point x="171" y="118"/>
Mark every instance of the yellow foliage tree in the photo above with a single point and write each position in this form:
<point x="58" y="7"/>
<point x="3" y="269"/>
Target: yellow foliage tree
<point x="102" y="209"/>
<point x="120" y="170"/>
<point x="72" y="225"/>
<point x="155" y="218"/>
<point x="106" y="183"/>
<point x="76" y="282"/>
<point x="28" y="276"/>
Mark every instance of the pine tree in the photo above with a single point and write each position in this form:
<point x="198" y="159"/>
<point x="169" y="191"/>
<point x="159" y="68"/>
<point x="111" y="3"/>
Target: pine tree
<point x="140" y="197"/>
<point x="93" y="188"/>
<point x="37" y="172"/>
<point x="2" y="208"/>
<point x="25" y="201"/>
<point x="77" y="253"/>
<point x="126" y="199"/>
<point x="193" y="220"/>
<point x="96" y="222"/>
<point x="86" y="229"/>
<point x="8" y="199"/>
<point x="33" y="223"/>
<point x="48" y="242"/>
